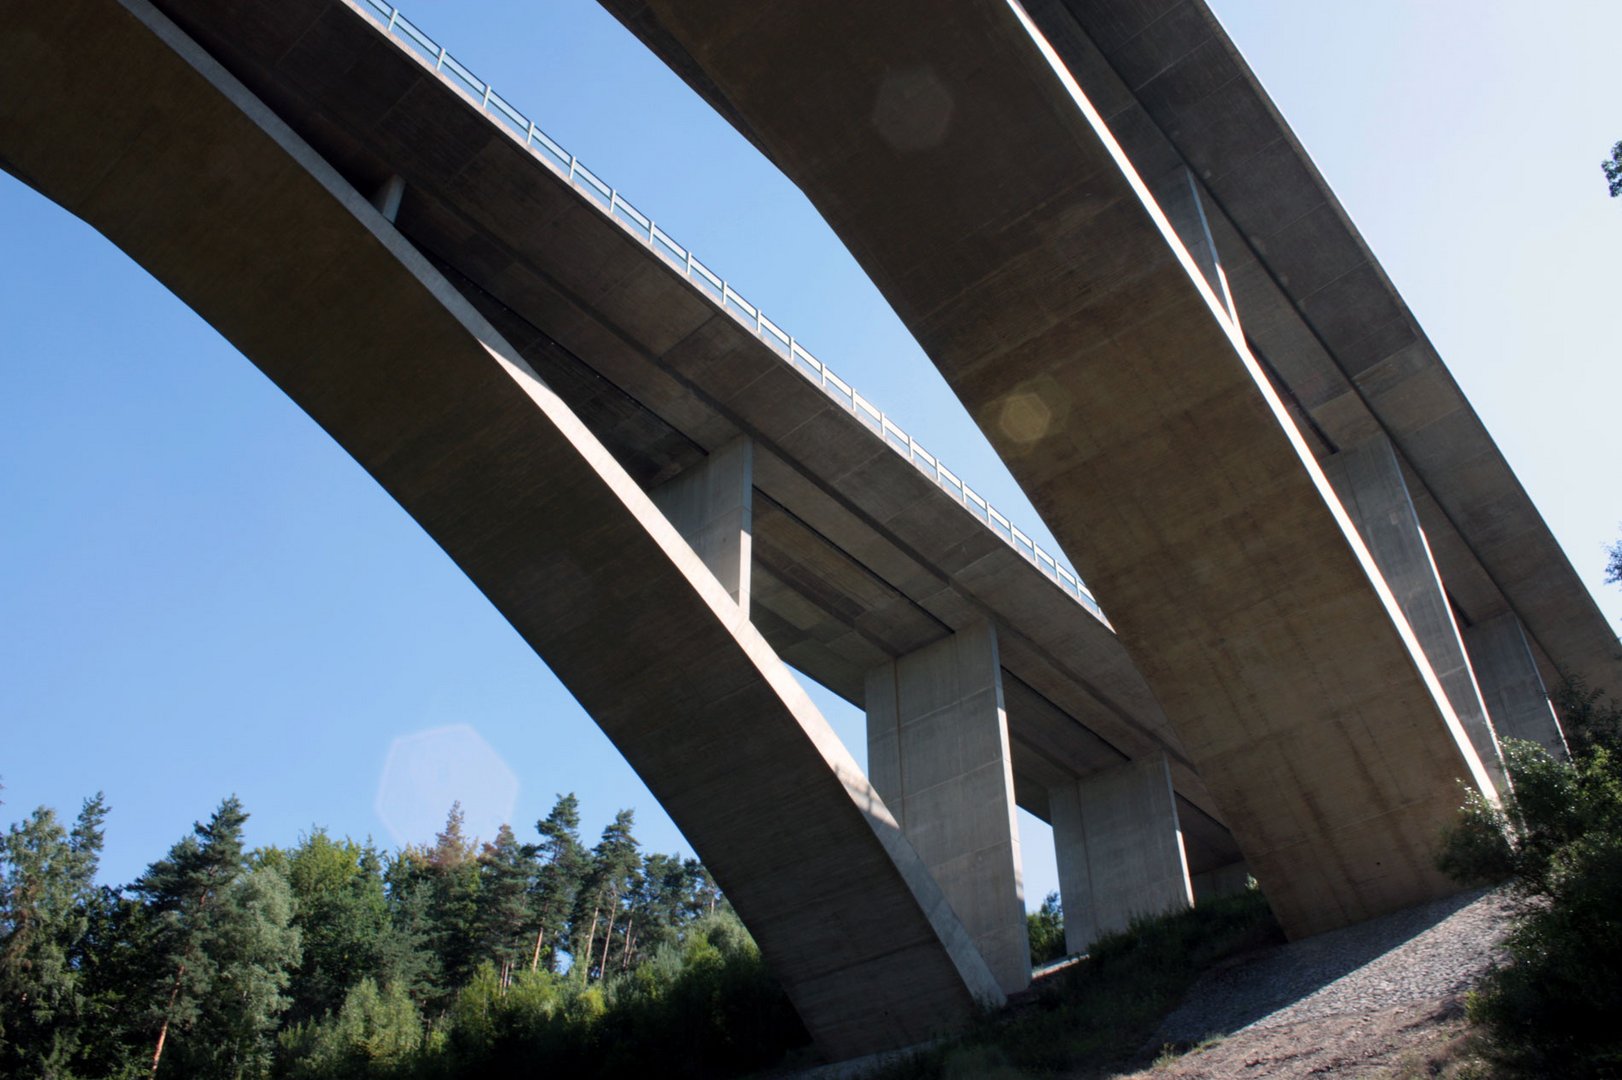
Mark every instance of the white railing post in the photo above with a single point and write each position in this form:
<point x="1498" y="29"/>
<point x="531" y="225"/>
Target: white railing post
<point x="440" y="63"/>
<point x="394" y="13"/>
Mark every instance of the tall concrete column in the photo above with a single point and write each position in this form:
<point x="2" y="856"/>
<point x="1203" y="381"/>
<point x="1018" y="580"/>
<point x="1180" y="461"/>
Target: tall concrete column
<point x="711" y="506"/>
<point x="1119" y="848"/>
<point x="1369" y="481"/>
<point x="1510" y="684"/>
<point x="937" y="749"/>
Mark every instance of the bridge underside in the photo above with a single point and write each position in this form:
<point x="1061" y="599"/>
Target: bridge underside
<point x="992" y="207"/>
<point x="106" y="108"/>
<point x="858" y="557"/>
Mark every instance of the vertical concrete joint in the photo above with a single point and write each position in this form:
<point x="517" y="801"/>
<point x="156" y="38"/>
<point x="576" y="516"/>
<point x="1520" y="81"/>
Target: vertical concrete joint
<point x="937" y="738"/>
<point x="1516" y="698"/>
<point x="1369" y="481"/>
<point x="1120" y="849"/>
<point x="711" y="505"/>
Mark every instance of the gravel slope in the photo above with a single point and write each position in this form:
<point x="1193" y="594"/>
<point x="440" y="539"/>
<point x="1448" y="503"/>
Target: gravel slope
<point x="1368" y="1000"/>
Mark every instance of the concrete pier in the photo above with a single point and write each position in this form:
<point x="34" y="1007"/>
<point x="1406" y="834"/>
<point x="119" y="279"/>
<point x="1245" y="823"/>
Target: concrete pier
<point x="712" y="506"/>
<point x="1368" y="479"/>
<point x="1120" y="850"/>
<point x="937" y="748"/>
<point x="1516" y="697"/>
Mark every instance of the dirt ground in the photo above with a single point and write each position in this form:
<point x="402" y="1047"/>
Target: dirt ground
<point x="1425" y="1039"/>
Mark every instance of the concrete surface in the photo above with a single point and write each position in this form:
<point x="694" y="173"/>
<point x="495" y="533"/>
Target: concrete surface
<point x="1046" y="285"/>
<point x="1120" y="851"/>
<point x="1370" y="485"/>
<point x="110" y="111"/>
<point x="712" y="506"/>
<point x="1514" y="691"/>
<point x="1348" y="355"/>
<point x="937" y="754"/>
<point x="858" y="557"/>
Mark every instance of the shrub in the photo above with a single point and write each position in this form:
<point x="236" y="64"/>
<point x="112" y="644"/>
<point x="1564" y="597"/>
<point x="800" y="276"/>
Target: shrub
<point x="1558" y="838"/>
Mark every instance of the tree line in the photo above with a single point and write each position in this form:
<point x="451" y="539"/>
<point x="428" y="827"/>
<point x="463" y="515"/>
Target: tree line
<point x="334" y="958"/>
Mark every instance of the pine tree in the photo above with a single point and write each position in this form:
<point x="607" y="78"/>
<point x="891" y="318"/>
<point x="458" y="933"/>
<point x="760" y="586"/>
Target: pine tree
<point x="406" y="957"/>
<point x="612" y="862"/>
<point x="506" y="868"/>
<point x="48" y="901"/>
<point x="453" y="901"/>
<point x="178" y="897"/>
<point x="558" y="880"/>
<point x="701" y="890"/>
<point x="343" y="919"/>
<point x="658" y="907"/>
<point x="251" y="947"/>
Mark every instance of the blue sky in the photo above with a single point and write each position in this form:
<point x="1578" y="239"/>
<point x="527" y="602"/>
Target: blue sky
<point x="200" y="594"/>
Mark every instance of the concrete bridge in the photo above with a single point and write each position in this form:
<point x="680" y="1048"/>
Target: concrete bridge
<point x="669" y="498"/>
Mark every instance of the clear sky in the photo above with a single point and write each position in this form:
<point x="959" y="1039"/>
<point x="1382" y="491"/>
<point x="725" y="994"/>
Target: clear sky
<point x="201" y="594"/>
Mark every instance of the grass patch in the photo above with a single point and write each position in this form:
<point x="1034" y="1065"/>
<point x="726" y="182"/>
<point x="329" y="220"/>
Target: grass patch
<point x="1091" y="1019"/>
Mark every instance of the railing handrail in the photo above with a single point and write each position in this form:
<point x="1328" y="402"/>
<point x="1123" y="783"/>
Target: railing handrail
<point x="718" y="290"/>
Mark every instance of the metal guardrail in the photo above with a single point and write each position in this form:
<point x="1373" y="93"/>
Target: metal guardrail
<point x="607" y="199"/>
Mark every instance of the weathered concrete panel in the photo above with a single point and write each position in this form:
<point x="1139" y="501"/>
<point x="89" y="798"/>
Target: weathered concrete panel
<point x="938" y="754"/>
<point x="1120" y="850"/>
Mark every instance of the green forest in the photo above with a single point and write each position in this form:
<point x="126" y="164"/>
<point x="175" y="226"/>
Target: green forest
<point x="332" y="958"/>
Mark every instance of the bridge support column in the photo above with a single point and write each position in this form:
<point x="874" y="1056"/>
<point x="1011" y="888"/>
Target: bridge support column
<point x="1223" y="881"/>
<point x="1119" y="848"/>
<point x="711" y="506"/>
<point x="937" y="748"/>
<point x="1510" y="683"/>
<point x="1369" y="481"/>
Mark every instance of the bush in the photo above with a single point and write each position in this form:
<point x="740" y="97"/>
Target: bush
<point x="375" y="1032"/>
<point x="1558" y="839"/>
<point x="706" y="1006"/>
<point x="1092" y="1017"/>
